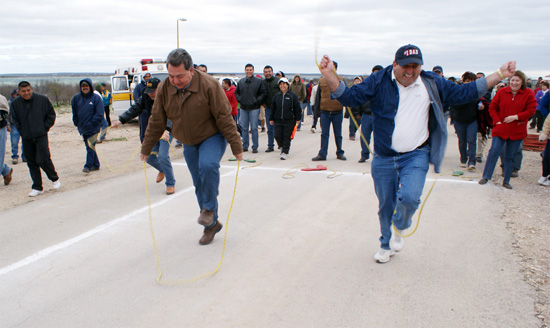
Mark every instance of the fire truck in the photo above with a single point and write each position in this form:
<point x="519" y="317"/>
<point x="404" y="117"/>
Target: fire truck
<point x="126" y="77"/>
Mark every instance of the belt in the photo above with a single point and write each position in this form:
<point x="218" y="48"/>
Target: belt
<point x="332" y="111"/>
<point x="422" y="145"/>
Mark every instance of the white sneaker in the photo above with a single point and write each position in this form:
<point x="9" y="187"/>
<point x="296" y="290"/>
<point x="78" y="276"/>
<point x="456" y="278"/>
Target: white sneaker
<point x="312" y="130"/>
<point x="56" y="184"/>
<point x="546" y="183"/>
<point x="283" y="156"/>
<point x="463" y="165"/>
<point x="542" y="180"/>
<point x="383" y="255"/>
<point x="397" y="242"/>
<point x="35" y="193"/>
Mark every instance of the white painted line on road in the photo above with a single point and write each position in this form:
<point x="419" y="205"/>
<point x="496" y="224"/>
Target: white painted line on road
<point x="298" y="168"/>
<point x="52" y="249"/>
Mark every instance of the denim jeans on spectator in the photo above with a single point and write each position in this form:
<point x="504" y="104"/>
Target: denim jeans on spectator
<point x="467" y="142"/>
<point x="14" y="140"/>
<point x="328" y="118"/>
<point x="160" y="160"/>
<point x="366" y="130"/>
<point x="352" y="127"/>
<point x="4" y="169"/>
<point x="398" y="183"/>
<point x="518" y="158"/>
<point x="249" y="120"/>
<point x="270" y="133"/>
<point x="496" y="147"/>
<point x="302" y="106"/>
<point x="203" y="162"/>
<point x="92" y="161"/>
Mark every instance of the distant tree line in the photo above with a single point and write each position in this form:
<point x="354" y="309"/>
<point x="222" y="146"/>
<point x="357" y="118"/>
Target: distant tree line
<point x="59" y="93"/>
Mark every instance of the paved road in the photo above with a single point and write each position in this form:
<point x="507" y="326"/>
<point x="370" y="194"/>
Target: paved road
<point x="298" y="253"/>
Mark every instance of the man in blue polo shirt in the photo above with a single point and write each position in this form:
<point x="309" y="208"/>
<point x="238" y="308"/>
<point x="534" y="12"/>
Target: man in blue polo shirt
<point x="409" y="131"/>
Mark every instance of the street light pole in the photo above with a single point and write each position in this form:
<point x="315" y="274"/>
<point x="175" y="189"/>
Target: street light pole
<point x="183" y="20"/>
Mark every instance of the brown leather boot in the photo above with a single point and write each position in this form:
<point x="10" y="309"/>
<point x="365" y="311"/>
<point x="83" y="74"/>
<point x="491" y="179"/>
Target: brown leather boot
<point x="206" y="218"/>
<point x="160" y="177"/>
<point x="7" y="178"/>
<point x="209" y="233"/>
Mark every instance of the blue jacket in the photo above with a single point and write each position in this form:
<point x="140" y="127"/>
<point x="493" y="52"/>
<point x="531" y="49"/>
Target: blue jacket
<point x="544" y="104"/>
<point x="88" y="111"/>
<point x="139" y="89"/>
<point x="383" y="94"/>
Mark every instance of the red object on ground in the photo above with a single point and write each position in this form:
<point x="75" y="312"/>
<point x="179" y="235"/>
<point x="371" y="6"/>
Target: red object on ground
<point x="532" y="143"/>
<point x="317" y="168"/>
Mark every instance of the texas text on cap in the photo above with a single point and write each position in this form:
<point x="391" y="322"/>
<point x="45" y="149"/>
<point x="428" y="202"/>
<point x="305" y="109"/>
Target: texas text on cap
<point x="152" y="85"/>
<point x="408" y="54"/>
<point x="437" y="69"/>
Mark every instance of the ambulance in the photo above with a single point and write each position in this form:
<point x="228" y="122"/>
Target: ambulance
<point x="127" y="77"/>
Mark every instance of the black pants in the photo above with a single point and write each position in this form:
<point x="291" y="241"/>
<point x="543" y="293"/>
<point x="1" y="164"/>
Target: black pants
<point x="37" y="152"/>
<point x="537" y="120"/>
<point x="107" y="114"/>
<point x="283" y="131"/>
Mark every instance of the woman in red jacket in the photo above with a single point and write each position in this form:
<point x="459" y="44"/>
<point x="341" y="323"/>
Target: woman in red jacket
<point x="510" y="110"/>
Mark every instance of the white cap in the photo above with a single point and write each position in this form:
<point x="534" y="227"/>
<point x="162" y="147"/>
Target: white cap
<point x="284" y="79"/>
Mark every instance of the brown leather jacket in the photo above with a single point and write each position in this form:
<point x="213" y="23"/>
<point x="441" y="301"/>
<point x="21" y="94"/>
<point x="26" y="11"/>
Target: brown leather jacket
<point x="202" y="111"/>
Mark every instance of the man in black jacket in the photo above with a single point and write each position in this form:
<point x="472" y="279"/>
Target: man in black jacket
<point x="160" y="155"/>
<point x="286" y="113"/>
<point x="250" y="94"/>
<point x="33" y="116"/>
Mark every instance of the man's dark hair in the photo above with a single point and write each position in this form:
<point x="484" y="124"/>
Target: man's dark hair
<point x="23" y="84"/>
<point x="202" y="65"/>
<point x="377" y="68"/>
<point x="481" y="73"/>
<point x="335" y="64"/>
<point x="249" y="65"/>
<point x="267" y="66"/>
<point x="179" y="56"/>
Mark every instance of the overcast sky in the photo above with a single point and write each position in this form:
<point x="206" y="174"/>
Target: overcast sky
<point x="96" y="36"/>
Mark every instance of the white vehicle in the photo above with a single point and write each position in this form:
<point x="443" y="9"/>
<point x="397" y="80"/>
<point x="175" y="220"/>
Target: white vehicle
<point x="126" y="77"/>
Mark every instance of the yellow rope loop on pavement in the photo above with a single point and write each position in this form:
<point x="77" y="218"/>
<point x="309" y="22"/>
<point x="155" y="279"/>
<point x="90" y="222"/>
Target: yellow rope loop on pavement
<point x="290" y="173"/>
<point x="157" y="258"/>
<point x="335" y="173"/>
<point x="253" y="160"/>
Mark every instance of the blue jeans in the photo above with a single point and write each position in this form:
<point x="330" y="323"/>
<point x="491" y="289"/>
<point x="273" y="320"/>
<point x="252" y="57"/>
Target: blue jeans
<point x="302" y="106"/>
<point x="467" y="141"/>
<point x="398" y="183"/>
<point x="160" y="160"/>
<point x="366" y="130"/>
<point x="4" y="169"/>
<point x="308" y="106"/>
<point x="104" y="126"/>
<point x="328" y="118"/>
<point x="249" y="118"/>
<point x="92" y="161"/>
<point x="203" y="162"/>
<point x="352" y="127"/>
<point x="518" y="158"/>
<point x="496" y="147"/>
<point x="270" y="134"/>
<point x="14" y="139"/>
